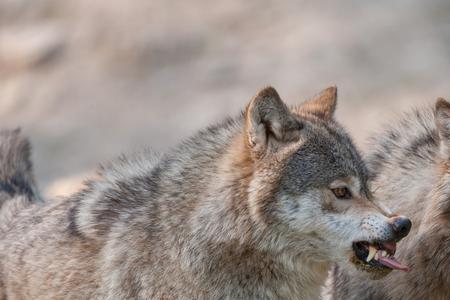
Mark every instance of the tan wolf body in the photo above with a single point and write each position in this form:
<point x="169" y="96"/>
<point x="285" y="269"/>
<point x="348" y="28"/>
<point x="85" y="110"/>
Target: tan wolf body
<point x="256" y="207"/>
<point x="410" y="170"/>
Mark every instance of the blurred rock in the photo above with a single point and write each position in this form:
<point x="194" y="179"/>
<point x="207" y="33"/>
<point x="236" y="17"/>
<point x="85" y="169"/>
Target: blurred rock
<point x="88" y="80"/>
<point x="28" y="47"/>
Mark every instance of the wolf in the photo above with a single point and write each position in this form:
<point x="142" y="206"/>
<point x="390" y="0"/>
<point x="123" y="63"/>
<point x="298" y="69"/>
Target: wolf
<point x="258" y="206"/>
<point x="410" y="170"/>
<point x="17" y="183"/>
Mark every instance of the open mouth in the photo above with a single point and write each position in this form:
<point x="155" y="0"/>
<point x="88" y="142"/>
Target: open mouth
<point x="377" y="257"/>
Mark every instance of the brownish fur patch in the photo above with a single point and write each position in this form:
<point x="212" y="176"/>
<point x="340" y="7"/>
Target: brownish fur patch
<point x="328" y="205"/>
<point x="322" y="105"/>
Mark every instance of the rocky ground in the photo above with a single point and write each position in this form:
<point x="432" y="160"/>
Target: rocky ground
<point x="88" y="80"/>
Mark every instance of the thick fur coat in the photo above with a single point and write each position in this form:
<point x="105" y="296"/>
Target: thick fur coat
<point x="245" y="209"/>
<point x="17" y="184"/>
<point x="410" y="165"/>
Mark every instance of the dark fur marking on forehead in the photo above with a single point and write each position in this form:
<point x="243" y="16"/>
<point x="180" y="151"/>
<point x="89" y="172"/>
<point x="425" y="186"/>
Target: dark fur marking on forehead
<point x="344" y="141"/>
<point x="326" y="154"/>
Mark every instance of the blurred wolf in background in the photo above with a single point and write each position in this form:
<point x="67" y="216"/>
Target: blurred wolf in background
<point x="410" y="166"/>
<point x="256" y="207"/>
<point x="17" y="185"/>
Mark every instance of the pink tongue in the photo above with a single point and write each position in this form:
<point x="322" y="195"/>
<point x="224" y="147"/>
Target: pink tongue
<point x="392" y="263"/>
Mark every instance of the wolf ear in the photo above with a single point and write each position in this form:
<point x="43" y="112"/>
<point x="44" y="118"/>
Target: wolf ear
<point x="442" y="115"/>
<point x="323" y="104"/>
<point x="269" y="121"/>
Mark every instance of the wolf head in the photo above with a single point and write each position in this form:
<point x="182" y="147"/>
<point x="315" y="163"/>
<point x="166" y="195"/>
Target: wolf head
<point x="309" y="185"/>
<point x="409" y="167"/>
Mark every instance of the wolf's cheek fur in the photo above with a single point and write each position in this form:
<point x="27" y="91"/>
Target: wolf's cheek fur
<point x="320" y="218"/>
<point x="306" y="219"/>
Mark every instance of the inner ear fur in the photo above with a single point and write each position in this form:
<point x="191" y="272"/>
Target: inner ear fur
<point x="269" y="121"/>
<point x="322" y="105"/>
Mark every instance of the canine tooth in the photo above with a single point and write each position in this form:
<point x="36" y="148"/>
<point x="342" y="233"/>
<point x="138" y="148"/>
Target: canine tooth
<point x="372" y="252"/>
<point x="383" y="253"/>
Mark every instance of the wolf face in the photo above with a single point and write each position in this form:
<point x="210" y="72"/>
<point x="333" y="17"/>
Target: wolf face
<point x="319" y="183"/>
<point x="432" y="241"/>
<point x="255" y="207"/>
<point x="410" y="170"/>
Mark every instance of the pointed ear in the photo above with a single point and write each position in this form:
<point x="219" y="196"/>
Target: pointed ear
<point x="323" y="104"/>
<point x="442" y="115"/>
<point x="269" y="122"/>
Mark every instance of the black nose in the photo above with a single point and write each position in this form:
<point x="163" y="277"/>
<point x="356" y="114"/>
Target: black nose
<point x="401" y="226"/>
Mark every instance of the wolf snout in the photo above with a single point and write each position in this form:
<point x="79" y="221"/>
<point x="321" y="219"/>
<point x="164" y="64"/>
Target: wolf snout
<point x="400" y="226"/>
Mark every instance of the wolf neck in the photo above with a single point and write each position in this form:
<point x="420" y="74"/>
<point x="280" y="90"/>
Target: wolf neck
<point x="194" y="202"/>
<point x="234" y="232"/>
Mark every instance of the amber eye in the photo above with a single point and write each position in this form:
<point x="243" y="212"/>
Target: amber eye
<point x="342" y="193"/>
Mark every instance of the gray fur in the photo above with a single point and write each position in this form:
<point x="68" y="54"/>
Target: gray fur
<point x="16" y="170"/>
<point x="409" y="166"/>
<point x="241" y="210"/>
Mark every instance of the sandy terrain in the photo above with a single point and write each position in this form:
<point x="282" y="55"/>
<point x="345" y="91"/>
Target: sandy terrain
<point x="88" y="80"/>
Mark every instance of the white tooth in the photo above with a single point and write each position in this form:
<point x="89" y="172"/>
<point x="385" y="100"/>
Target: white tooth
<point x="383" y="253"/>
<point x="372" y="252"/>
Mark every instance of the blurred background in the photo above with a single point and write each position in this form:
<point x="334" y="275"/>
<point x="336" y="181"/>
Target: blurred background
<point x="87" y="80"/>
